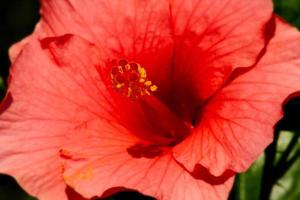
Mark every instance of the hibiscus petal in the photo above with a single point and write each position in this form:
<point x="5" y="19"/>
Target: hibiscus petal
<point x="101" y="162"/>
<point x="238" y="123"/>
<point x="47" y="98"/>
<point x="129" y="25"/>
<point x="232" y="30"/>
<point x="231" y="25"/>
<point x="212" y="38"/>
<point x="16" y="48"/>
<point x="136" y="30"/>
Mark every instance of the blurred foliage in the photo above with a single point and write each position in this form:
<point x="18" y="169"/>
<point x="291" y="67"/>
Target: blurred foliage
<point x="248" y="185"/>
<point x="9" y="190"/>
<point x="17" y="19"/>
<point x="289" y="10"/>
<point x="288" y="186"/>
<point x="2" y="88"/>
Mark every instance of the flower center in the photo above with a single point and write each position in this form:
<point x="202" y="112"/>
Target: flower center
<point x="130" y="79"/>
<point x="148" y="117"/>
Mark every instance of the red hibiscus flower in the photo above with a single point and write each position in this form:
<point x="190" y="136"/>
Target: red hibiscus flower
<point x="170" y="98"/>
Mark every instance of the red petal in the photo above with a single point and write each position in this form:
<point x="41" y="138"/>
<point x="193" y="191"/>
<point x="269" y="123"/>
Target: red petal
<point x="51" y="91"/>
<point x="228" y="31"/>
<point x="237" y="124"/>
<point x="127" y="27"/>
<point x="136" y="30"/>
<point x="196" y="42"/>
<point x="211" y="39"/>
<point x="130" y="25"/>
<point x="15" y="49"/>
<point x="105" y="164"/>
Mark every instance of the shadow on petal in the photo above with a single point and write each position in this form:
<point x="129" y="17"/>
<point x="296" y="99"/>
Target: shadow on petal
<point x="200" y="172"/>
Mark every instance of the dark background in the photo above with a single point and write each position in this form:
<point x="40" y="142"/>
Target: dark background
<point x="18" y="18"/>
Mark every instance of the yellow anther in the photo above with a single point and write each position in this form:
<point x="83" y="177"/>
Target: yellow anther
<point x="142" y="72"/>
<point x="129" y="93"/>
<point x="120" y="85"/>
<point x="148" y="83"/>
<point x="153" y="88"/>
<point x="142" y="80"/>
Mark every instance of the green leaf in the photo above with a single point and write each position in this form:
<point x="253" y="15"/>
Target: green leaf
<point x="2" y="88"/>
<point x="248" y="184"/>
<point x="289" y="10"/>
<point x="288" y="186"/>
